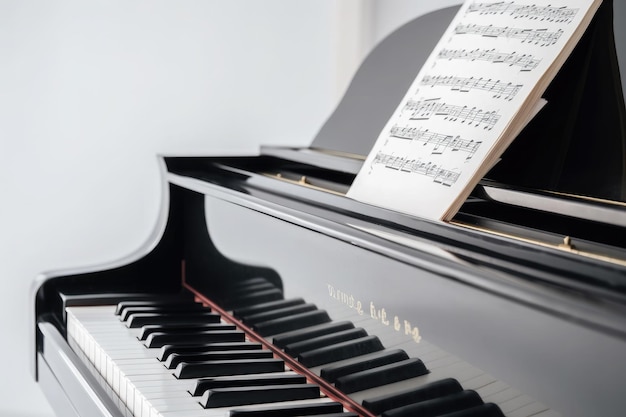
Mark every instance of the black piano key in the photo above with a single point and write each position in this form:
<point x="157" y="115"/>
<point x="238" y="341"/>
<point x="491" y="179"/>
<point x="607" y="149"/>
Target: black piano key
<point x="310" y="332"/>
<point x="254" y="287"/>
<point x="248" y="299"/>
<point x="438" y="406"/>
<point x="175" y="358"/>
<point x="273" y="305"/>
<point x="227" y="397"/>
<point x="204" y="384"/>
<point x="148" y="329"/>
<point x="182" y="308"/>
<point x="155" y="301"/>
<point x="414" y="395"/>
<point x="142" y="319"/>
<point x="297" y="321"/>
<point x="167" y="350"/>
<point x="289" y="410"/>
<point x="157" y="340"/>
<point x="382" y="375"/>
<point x="294" y="349"/>
<point x="340" y="351"/>
<point x="483" y="410"/>
<point x="362" y="363"/>
<point x="252" y="319"/>
<point x="234" y="367"/>
<point x="248" y="282"/>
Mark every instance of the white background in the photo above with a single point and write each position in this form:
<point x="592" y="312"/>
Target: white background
<point x="91" y="91"/>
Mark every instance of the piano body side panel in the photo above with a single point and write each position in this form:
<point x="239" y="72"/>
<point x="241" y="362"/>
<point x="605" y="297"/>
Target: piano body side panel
<point x="213" y="273"/>
<point x="574" y="369"/>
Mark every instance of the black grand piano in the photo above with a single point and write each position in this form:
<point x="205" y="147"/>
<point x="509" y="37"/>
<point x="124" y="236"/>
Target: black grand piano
<point x="266" y="292"/>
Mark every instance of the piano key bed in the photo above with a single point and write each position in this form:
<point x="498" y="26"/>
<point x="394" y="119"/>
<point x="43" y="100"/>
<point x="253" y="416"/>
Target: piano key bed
<point x="165" y="357"/>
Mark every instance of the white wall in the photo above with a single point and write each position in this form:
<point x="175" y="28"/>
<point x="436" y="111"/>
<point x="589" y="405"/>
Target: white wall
<point x="388" y="15"/>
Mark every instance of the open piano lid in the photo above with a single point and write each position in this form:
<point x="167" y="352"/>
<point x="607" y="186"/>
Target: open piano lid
<point x="561" y="183"/>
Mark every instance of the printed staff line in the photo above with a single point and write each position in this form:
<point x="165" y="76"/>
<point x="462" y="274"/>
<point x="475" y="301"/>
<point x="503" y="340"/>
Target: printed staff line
<point x="526" y="62"/>
<point x="472" y="116"/>
<point x="539" y="37"/>
<point x="518" y="11"/>
<point x="440" y="142"/>
<point x="500" y="89"/>
<point x="444" y="176"/>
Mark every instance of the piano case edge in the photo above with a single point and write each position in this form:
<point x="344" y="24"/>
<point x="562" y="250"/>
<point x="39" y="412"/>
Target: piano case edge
<point x="66" y="381"/>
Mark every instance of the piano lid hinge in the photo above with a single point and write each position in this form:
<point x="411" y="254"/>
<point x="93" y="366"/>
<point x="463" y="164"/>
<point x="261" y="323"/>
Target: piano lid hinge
<point x="567" y="244"/>
<point x="303" y="181"/>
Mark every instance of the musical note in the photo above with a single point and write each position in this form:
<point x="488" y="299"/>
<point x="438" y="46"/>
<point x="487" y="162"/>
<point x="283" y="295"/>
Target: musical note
<point x="463" y="84"/>
<point x="440" y="175"/>
<point x="526" y="62"/>
<point x="479" y="88"/>
<point x="540" y="37"/>
<point x="439" y="141"/>
<point x="425" y="109"/>
<point x="518" y="11"/>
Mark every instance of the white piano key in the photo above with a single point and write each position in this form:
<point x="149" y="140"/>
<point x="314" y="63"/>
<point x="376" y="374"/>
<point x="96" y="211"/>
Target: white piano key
<point x="433" y="355"/>
<point x="503" y="396"/>
<point x="515" y="403"/>
<point x="547" y="413"/>
<point x="478" y="382"/>
<point x="161" y="392"/>
<point x="442" y="362"/>
<point x="186" y="384"/>
<point x="174" y="403"/>
<point x="529" y="409"/>
<point x="170" y="411"/>
<point x="152" y="377"/>
<point x="490" y="389"/>
<point x="120" y="354"/>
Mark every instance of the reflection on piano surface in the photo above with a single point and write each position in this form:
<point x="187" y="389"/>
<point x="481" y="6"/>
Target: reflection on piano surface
<point x="268" y="293"/>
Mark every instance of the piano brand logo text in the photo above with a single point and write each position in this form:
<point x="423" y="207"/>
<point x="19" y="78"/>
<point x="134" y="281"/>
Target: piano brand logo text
<point x="378" y="314"/>
<point x="346" y="299"/>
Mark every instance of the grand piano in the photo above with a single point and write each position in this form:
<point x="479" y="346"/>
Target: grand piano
<point x="264" y="291"/>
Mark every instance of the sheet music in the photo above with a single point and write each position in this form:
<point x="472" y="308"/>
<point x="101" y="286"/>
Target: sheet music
<point x="479" y="87"/>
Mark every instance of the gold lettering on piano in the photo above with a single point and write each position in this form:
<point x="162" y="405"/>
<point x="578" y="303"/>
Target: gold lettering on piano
<point x="414" y="332"/>
<point x="378" y="314"/>
<point x="346" y="299"/>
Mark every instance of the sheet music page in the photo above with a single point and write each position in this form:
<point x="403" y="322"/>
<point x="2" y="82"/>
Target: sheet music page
<point x="480" y="86"/>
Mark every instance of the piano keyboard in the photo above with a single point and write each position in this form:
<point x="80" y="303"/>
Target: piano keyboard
<point x="167" y="359"/>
